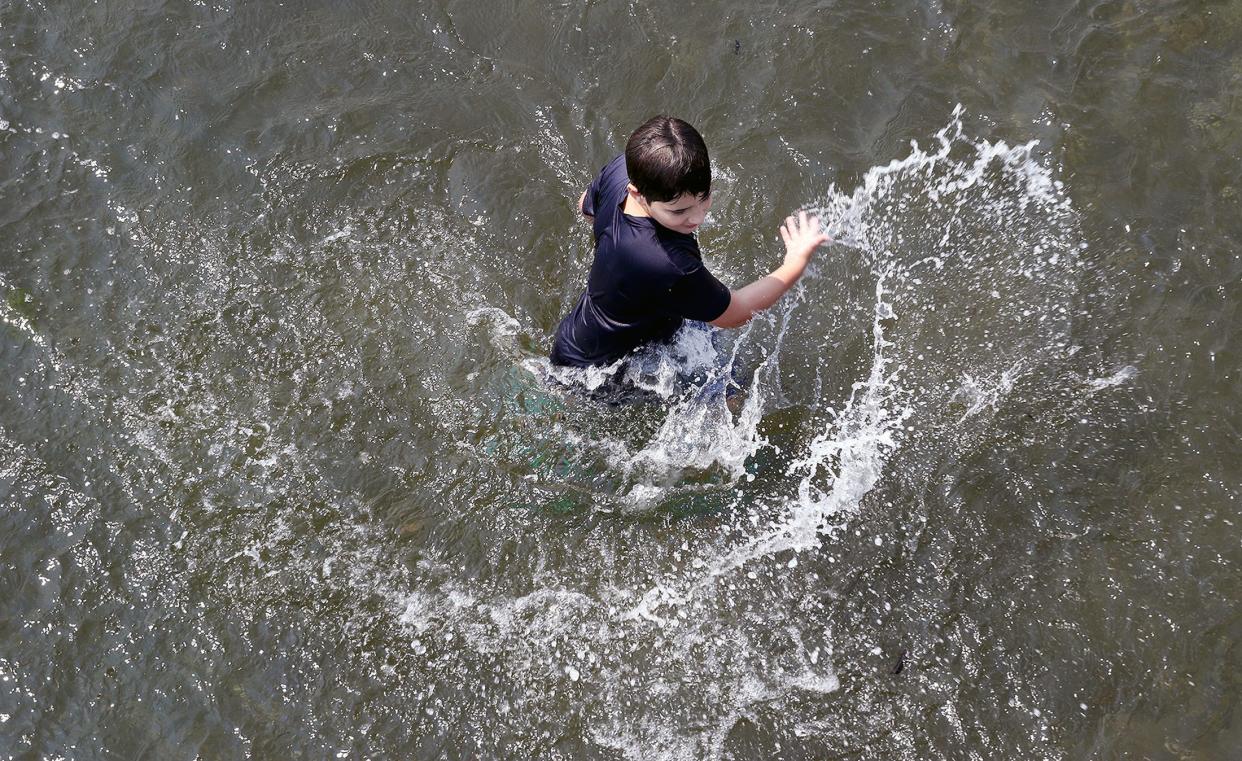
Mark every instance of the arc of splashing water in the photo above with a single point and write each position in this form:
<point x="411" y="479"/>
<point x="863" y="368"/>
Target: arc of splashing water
<point x="859" y="442"/>
<point x="864" y="434"/>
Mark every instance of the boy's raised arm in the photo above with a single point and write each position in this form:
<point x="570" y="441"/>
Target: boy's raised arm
<point x="802" y="235"/>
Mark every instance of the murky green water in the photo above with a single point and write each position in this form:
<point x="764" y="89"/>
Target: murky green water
<point x="282" y="476"/>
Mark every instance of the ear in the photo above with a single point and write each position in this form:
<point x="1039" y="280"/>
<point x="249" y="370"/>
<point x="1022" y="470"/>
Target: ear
<point x="633" y="193"/>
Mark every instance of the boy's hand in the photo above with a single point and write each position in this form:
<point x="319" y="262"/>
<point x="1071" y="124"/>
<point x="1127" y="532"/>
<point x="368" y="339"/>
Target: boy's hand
<point x="802" y="235"/>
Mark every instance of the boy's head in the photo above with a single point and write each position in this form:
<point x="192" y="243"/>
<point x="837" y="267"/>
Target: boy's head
<point x="667" y="158"/>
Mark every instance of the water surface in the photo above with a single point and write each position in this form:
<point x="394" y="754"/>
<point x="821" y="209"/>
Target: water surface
<point x="283" y="476"/>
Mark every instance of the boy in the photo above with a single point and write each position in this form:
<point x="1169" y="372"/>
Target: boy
<point x="648" y="275"/>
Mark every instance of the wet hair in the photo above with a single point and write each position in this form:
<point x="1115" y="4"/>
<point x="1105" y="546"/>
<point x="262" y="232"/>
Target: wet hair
<point x="665" y="158"/>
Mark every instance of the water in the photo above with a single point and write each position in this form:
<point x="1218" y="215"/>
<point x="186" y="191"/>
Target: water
<point x="284" y="475"/>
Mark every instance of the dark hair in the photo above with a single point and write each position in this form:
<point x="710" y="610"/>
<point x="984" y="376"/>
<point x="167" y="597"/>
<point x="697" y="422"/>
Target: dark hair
<point x="667" y="157"/>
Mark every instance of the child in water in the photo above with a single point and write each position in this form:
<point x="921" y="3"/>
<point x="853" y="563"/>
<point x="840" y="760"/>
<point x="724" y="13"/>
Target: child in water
<point x="648" y="276"/>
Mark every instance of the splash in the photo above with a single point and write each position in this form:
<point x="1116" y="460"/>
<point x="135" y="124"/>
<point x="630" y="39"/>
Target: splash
<point x="708" y="416"/>
<point x="529" y="611"/>
<point x="962" y="270"/>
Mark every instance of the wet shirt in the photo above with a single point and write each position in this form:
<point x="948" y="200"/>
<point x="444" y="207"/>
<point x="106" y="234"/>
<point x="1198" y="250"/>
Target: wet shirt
<point x="645" y="280"/>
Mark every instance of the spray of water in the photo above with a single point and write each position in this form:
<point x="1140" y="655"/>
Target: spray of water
<point x="661" y="649"/>
<point x="656" y="638"/>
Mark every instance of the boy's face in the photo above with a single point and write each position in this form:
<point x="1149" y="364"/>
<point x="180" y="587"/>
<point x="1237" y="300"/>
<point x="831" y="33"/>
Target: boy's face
<point x="684" y="213"/>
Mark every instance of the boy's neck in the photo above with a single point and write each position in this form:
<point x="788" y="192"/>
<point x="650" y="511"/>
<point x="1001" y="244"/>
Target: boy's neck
<point x="633" y="207"/>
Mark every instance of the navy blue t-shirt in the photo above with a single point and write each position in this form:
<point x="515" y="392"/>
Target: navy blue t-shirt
<point x="644" y="281"/>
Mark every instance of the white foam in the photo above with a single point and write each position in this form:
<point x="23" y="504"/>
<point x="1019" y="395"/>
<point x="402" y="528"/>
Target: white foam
<point x="1120" y="376"/>
<point x="628" y="644"/>
<point x="503" y="324"/>
<point x="344" y="232"/>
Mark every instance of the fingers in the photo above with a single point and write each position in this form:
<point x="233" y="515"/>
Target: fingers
<point x="803" y="227"/>
<point x="802" y="222"/>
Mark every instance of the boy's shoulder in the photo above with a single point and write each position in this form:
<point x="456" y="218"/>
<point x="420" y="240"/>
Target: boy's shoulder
<point x="682" y="252"/>
<point x="612" y="176"/>
<point x="606" y="191"/>
<point x="615" y="164"/>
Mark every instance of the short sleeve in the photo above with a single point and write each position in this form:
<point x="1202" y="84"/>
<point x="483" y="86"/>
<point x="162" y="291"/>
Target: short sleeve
<point x="588" y="201"/>
<point x="592" y="193"/>
<point x="699" y="296"/>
